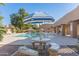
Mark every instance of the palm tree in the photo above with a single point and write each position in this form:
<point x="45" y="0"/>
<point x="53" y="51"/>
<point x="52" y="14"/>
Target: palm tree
<point x="17" y="19"/>
<point x="1" y="4"/>
<point x="1" y="27"/>
<point x="22" y="14"/>
<point x="2" y="31"/>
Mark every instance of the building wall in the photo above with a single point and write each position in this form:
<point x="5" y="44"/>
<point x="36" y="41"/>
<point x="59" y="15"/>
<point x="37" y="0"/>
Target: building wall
<point x="67" y="29"/>
<point x="78" y="29"/>
<point x="47" y="27"/>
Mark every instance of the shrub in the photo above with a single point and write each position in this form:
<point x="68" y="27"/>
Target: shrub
<point x="2" y="31"/>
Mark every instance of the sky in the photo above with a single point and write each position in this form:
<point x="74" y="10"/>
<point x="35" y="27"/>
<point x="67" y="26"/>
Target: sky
<point x="56" y="10"/>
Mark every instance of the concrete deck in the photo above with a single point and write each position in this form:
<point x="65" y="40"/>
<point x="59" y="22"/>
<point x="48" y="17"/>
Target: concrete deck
<point x="61" y="40"/>
<point x="11" y="43"/>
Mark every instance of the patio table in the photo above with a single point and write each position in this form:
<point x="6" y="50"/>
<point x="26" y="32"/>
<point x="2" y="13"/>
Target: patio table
<point x="42" y="43"/>
<point x="41" y="40"/>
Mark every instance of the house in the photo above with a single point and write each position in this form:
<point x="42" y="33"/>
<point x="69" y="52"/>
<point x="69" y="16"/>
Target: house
<point x="68" y="25"/>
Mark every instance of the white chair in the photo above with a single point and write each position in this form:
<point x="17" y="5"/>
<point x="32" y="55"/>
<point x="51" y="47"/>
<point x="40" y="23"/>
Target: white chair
<point x="26" y="52"/>
<point x="53" y="50"/>
<point x="54" y="46"/>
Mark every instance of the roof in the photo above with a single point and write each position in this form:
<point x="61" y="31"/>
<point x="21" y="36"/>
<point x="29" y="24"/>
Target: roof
<point x="71" y="16"/>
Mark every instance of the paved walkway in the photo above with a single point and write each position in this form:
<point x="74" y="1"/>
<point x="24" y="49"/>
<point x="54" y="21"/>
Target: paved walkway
<point x="7" y="50"/>
<point x="66" y="51"/>
<point x="10" y="42"/>
<point x="61" y="40"/>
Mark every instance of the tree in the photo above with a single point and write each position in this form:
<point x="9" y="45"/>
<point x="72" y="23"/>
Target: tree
<point x="14" y="19"/>
<point x="22" y="14"/>
<point x="27" y="26"/>
<point x="2" y="4"/>
<point x="1" y="27"/>
<point x="17" y="19"/>
<point x="1" y="20"/>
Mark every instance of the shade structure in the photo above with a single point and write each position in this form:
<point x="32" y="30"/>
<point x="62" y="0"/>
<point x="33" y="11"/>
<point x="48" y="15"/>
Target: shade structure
<point x="70" y="16"/>
<point x="39" y="18"/>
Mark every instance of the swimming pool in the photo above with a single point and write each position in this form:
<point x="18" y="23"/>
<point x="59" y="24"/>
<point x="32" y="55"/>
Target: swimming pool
<point x="29" y="35"/>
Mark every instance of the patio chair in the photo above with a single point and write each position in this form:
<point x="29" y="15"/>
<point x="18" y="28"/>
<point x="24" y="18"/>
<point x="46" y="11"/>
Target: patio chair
<point x="53" y="50"/>
<point x="54" y="46"/>
<point x="24" y="51"/>
<point x="66" y="51"/>
<point x="35" y="44"/>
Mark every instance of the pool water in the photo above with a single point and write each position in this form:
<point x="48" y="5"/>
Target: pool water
<point x="29" y="35"/>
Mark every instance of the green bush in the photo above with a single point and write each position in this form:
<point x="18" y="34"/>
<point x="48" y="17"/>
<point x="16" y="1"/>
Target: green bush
<point x="1" y="37"/>
<point x="2" y="31"/>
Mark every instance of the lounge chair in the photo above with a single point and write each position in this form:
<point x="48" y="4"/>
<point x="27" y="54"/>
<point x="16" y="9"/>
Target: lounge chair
<point x="54" y="46"/>
<point x="67" y="52"/>
<point x="53" y="50"/>
<point x="24" y="51"/>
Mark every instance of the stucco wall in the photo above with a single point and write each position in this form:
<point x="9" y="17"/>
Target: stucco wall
<point x="78" y="29"/>
<point x="47" y="27"/>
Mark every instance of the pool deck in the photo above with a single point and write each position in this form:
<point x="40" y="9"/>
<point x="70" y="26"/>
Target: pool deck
<point x="61" y="40"/>
<point x="11" y="43"/>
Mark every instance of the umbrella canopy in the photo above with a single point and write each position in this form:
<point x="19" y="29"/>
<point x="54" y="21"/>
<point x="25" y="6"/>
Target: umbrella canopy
<point x="39" y="18"/>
